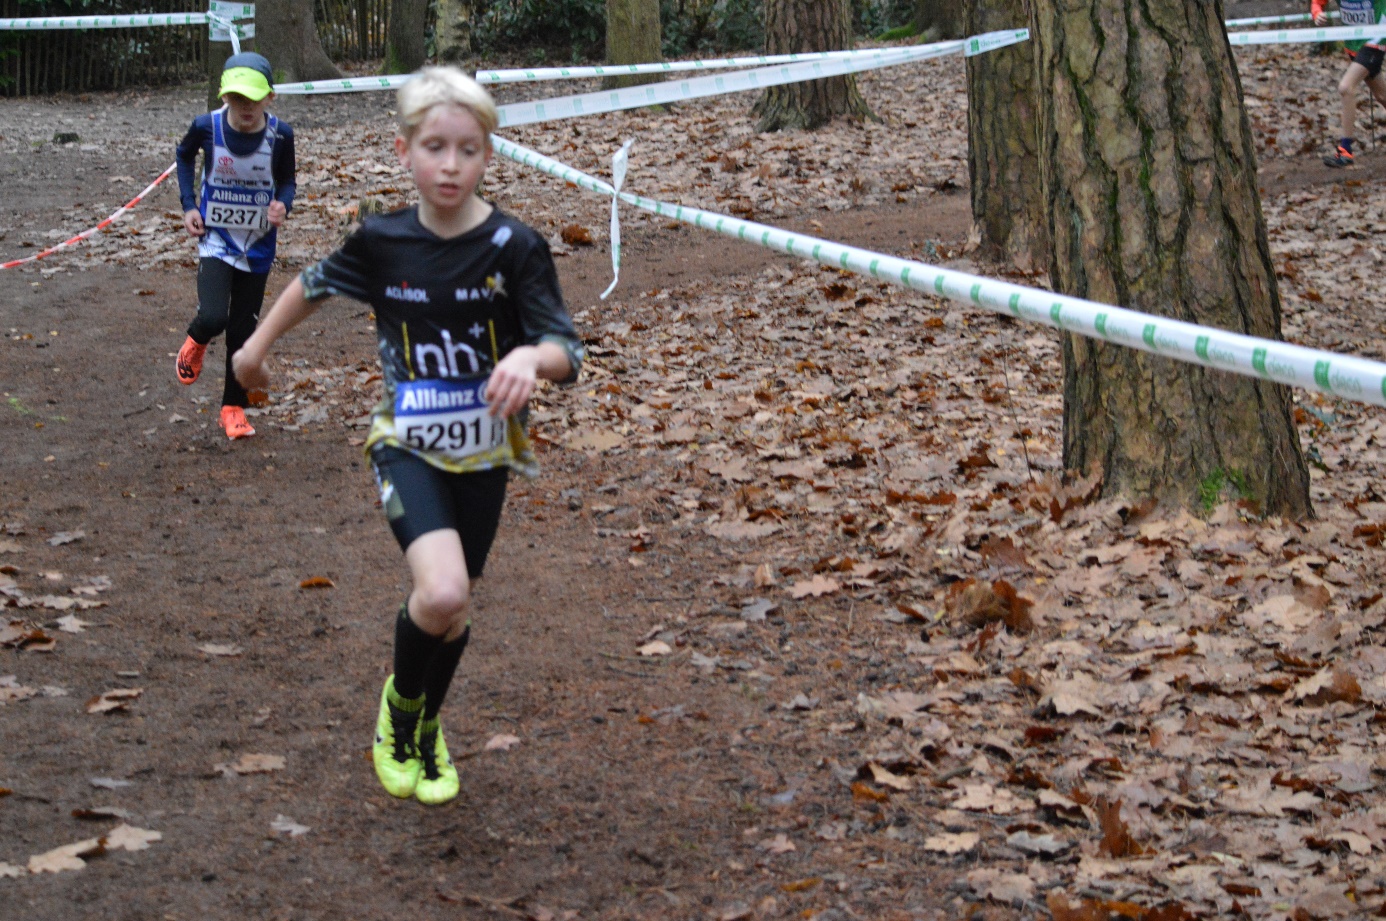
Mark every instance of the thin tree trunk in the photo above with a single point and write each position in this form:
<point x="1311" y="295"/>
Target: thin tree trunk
<point x="406" y="42"/>
<point x="453" y="33"/>
<point x="1003" y="157"/>
<point x="286" y="34"/>
<point x="1153" y="205"/>
<point x="796" y="26"/>
<point x="633" y="37"/>
<point x="216" y="55"/>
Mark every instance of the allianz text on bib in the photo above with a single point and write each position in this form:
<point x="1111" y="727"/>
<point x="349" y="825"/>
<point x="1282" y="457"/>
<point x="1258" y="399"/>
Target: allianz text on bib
<point x="447" y="417"/>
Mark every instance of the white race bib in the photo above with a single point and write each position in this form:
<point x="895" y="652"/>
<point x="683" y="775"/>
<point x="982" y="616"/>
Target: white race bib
<point x="447" y="417"/>
<point x="234" y="209"/>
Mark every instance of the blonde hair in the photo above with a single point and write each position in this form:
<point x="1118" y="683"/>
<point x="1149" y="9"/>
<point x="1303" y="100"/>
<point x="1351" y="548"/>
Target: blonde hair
<point x="432" y="86"/>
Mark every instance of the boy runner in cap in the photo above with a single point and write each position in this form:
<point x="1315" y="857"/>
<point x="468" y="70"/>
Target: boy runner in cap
<point x="247" y="190"/>
<point x="1366" y="66"/>
<point x="469" y="315"/>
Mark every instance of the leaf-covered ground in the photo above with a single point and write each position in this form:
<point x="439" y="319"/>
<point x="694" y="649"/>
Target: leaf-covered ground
<point x="855" y="646"/>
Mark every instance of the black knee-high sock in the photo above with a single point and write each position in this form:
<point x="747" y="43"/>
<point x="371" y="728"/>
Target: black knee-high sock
<point x="440" y="671"/>
<point x="414" y="650"/>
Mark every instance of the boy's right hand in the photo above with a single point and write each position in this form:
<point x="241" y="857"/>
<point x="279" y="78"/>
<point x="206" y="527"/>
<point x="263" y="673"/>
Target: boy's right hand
<point x="192" y="222"/>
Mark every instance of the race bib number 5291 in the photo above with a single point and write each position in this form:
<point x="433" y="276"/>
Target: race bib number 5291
<point x="446" y="417"/>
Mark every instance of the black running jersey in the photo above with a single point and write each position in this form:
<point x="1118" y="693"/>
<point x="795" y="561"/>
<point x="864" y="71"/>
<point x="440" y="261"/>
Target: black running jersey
<point x="449" y="309"/>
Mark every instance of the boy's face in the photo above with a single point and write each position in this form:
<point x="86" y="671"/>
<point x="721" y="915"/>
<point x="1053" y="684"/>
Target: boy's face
<point x="447" y="155"/>
<point x="246" y="115"/>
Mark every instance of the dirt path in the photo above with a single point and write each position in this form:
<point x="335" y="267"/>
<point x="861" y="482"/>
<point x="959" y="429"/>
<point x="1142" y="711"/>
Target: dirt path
<point x="639" y="789"/>
<point x="206" y="543"/>
<point x="717" y="782"/>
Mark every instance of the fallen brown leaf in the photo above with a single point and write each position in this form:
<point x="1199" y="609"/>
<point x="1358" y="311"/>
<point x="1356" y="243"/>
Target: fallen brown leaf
<point x="1116" y="836"/>
<point x="116" y="699"/>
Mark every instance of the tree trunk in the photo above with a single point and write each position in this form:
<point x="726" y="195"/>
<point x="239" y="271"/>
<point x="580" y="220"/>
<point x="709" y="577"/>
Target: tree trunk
<point x="796" y="26"/>
<point x="1153" y="204"/>
<point x="453" y="32"/>
<point x="633" y="37"/>
<point x="217" y="53"/>
<point x="406" y="46"/>
<point x="1003" y="158"/>
<point x="942" y="20"/>
<point x="286" y="33"/>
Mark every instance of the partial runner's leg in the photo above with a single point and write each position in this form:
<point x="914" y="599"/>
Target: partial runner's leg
<point x="243" y="313"/>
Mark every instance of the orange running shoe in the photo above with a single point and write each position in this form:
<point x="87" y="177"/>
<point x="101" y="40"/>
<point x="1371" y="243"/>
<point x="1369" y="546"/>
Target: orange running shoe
<point x="190" y="361"/>
<point x="234" y="422"/>
<point x="1341" y="158"/>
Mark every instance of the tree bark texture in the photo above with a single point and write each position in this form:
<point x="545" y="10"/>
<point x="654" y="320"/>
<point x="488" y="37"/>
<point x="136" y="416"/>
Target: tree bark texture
<point x="453" y="32"/>
<point x="941" y="20"/>
<point x="287" y="34"/>
<point x="1153" y="204"/>
<point x="1003" y="157"/>
<point x="217" y="53"/>
<point x="795" y="26"/>
<point x="406" y="46"/>
<point x="633" y="37"/>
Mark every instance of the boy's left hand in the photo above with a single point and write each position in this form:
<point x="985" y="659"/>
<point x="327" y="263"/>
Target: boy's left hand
<point x="512" y="382"/>
<point x="249" y="370"/>
<point x="277" y="213"/>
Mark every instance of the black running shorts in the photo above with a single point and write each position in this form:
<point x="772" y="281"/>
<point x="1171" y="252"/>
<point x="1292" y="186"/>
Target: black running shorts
<point x="1370" y="58"/>
<point x="418" y="498"/>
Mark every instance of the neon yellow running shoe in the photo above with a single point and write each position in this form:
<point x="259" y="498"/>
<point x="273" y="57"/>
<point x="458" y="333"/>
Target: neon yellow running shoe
<point x="396" y="749"/>
<point x="439" y="782"/>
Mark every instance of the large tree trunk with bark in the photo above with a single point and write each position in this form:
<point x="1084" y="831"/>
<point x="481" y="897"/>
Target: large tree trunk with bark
<point x="1153" y="204"/>
<point x="453" y="31"/>
<point x="1008" y="223"/>
<point x="795" y="26"/>
<point x="406" y="46"/>
<point x="287" y="34"/>
<point x="940" y="20"/>
<point x="633" y="37"/>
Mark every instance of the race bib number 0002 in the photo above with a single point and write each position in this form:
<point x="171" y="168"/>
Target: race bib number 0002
<point x="446" y="417"/>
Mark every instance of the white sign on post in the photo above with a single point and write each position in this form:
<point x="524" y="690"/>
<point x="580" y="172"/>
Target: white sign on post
<point x="232" y="10"/>
<point x="219" y="16"/>
<point x="222" y="32"/>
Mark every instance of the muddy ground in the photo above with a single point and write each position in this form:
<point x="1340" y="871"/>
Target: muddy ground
<point x="641" y="787"/>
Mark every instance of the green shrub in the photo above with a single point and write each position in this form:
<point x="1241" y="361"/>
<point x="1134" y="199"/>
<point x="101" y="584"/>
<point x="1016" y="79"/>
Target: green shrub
<point x="884" y="19"/>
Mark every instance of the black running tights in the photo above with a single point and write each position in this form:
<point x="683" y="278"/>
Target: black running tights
<point x="228" y="301"/>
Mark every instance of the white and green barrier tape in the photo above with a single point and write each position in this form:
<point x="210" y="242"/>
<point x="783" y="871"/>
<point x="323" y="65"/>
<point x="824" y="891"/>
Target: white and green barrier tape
<point x="220" y="19"/>
<point x="1274" y="20"/>
<point x="532" y="74"/>
<point x="619" y="163"/>
<point x="636" y="97"/>
<point x="345" y="85"/>
<point x="49" y="23"/>
<point x="1312" y="369"/>
<point x="525" y="113"/>
<point x="217" y="9"/>
<point x="1302" y="36"/>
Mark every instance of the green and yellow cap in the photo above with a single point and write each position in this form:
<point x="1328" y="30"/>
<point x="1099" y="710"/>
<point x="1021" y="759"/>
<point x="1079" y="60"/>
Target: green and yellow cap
<point x="248" y="74"/>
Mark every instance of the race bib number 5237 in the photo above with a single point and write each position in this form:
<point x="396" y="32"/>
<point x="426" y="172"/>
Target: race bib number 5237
<point x="235" y="209"/>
